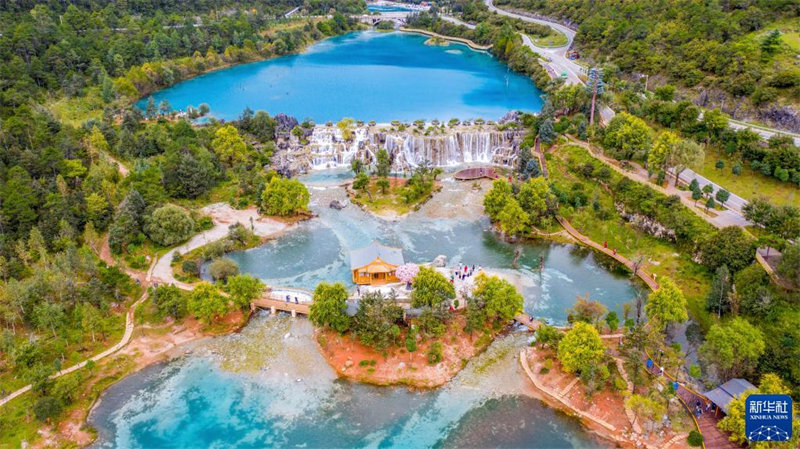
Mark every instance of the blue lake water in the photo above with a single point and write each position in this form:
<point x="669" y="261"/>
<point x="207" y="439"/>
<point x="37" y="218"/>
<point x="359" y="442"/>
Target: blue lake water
<point x="268" y="386"/>
<point x="318" y="250"/>
<point x="365" y="75"/>
<point x="387" y="8"/>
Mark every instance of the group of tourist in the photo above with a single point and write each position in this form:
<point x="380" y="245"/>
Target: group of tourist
<point x="463" y="272"/>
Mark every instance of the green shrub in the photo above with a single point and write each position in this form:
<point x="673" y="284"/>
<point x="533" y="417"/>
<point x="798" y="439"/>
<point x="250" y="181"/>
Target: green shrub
<point x="222" y="268"/>
<point x="720" y="164"/>
<point x="737" y="168"/>
<point x="435" y="353"/>
<point x="190" y="267"/>
<point x="47" y="408"/>
<point x="364" y="362"/>
<point x="411" y="341"/>
<point x="619" y="383"/>
<point x="204" y="223"/>
<point x="695" y="439"/>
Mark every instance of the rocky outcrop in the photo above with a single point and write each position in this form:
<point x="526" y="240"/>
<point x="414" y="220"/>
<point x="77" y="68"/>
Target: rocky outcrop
<point x="782" y="117"/>
<point x="285" y="123"/>
<point x="338" y="205"/>
<point x="647" y="224"/>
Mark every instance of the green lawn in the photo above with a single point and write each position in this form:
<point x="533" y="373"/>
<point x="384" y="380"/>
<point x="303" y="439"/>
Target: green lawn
<point x="555" y="39"/>
<point x="750" y="184"/>
<point x="392" y="201"/>
<point x="76" y="111"/>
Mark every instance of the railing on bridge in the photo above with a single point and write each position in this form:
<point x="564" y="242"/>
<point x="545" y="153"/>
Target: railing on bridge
<point x="286" y="299"/>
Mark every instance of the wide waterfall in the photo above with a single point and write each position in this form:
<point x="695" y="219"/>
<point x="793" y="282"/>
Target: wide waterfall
<point x="330" y="146"/>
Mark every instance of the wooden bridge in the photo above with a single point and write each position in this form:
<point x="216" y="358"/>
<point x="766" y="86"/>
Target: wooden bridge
<point x="292" y="300"/>
<point x="637" y="270"/>
<point x="706" y="423"/>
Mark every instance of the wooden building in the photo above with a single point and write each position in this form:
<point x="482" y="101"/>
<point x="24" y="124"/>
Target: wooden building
<point x="375" y="264"/>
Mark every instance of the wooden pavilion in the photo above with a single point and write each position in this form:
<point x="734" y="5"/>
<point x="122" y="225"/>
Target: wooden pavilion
<point x="375" y="264"/>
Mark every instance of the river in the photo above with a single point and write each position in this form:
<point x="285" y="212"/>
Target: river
<point x="367" y="75"/>
<point x="268" y="386"/>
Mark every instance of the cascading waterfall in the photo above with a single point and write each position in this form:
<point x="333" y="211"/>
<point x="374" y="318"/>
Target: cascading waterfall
<point x="326" y="147"/>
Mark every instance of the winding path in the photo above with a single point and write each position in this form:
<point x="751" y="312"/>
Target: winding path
<point x="126" y="337"/>
<point x="727" y="217"/>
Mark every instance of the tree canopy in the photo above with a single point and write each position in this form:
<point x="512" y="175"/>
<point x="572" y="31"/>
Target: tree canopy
<point x="733" y="347"/>
<point x="284" y="197"/>
<point x="431" y="289"/>
<point x="329" y="307"/>
<point x="667" y="304"/>
<point x="581" y="348"/>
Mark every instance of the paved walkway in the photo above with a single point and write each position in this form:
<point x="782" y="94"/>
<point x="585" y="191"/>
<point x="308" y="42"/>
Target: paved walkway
<point x="126" y="337"/>
<point x="223" y="216"/>
<point x="724" y="218"/>
<point x="713" y="438"/>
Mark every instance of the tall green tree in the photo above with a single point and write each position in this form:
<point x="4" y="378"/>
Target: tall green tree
<point x="19" y="202"/>
<point x="169" y="225"/>
<point x="329" y="308"/>
<point x="206" y="303"/>
<point x="431" y="289"/>
<point x="495" y="200"/>
<point x="729" y="246"/>
<point x="284" y="197"/>
<point x="243" y="289"/>
<point x="581" y="348"/>
<point x="733" y="347"/>
<point x="501" y="300"/>
<point x="229" y="146"/>
<point x="667" y="304"/>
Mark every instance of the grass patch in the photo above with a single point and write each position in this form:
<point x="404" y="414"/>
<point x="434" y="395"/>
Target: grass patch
<point x="393" y="201"/>
<point x="76" y="111"/>
<point x="750" y="184"/>
<point x="555" y="39"/>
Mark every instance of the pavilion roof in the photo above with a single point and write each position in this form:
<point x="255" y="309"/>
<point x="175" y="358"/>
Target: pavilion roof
<point x="362" y="257"/>
<point x="725" y="393"/>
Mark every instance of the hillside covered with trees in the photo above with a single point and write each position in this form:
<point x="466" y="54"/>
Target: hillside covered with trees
<point x="740" y="56"/>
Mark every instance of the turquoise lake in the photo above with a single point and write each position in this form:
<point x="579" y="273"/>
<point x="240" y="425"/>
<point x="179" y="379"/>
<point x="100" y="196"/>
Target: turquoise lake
<point x="366" y="75"/>
<point x="387" y="8"/>
<point x="269" y="387"/>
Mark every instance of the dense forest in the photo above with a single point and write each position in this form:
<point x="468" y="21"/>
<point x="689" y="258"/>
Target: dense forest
<point x="736" y="55"/>
<point x="80" y="167"/>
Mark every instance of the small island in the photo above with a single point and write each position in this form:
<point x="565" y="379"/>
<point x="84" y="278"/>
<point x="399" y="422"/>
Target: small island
<point x="419" y="331"/>
<point x="390" y="196"/>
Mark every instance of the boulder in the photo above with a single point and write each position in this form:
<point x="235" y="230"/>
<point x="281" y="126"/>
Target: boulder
<point x="285" y="123"/>
<point x="440" y="261"/>
<point x="338" y="205"/>
<point x="510" y="117"/>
